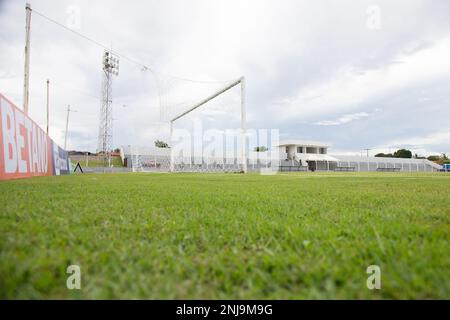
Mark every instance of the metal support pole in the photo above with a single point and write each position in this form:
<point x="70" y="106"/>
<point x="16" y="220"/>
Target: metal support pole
<point x="26" y="78"/>
<point x="172" y="165"/>
<point x="243" y="127"/>
<point x="48" y="89"/>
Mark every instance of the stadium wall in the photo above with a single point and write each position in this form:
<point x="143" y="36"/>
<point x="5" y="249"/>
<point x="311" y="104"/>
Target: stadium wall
<point x="25" y="149"/>
<point x="374" y="163"/>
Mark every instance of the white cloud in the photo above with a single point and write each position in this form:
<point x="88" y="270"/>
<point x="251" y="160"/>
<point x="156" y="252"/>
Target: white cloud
<point x="343" y="120"/>
<point x="350" y="87"/>
<point x="436" y="138"/>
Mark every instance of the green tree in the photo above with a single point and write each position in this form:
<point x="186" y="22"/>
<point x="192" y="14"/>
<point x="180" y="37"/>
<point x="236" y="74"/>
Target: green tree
<point x="434" y="158"/>
<point x="161" y="144"/>
<point x="260" y="149"/>
<point x="384" y="155"/>
<point x="439" y="159"/>
<point x="418" y="156"/>
<point x="403" y="153"/>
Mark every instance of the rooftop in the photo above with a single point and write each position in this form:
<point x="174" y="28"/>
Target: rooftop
<point x="306" y="143"/>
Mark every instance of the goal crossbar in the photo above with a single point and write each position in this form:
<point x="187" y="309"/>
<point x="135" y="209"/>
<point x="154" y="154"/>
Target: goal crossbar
<point x="199" y="104"/>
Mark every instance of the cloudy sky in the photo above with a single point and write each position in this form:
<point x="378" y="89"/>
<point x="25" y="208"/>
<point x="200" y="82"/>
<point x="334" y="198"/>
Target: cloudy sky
<point x="359" y="74"/>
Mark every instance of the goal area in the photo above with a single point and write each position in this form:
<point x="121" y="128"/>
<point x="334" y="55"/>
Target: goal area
<point x="214" y="148"/>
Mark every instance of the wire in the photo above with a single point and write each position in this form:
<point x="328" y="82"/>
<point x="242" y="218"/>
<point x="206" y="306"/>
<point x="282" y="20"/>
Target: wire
<point x="88" y="94"/>
<point x="143" y="66"/>
<point x="93" y="41"/>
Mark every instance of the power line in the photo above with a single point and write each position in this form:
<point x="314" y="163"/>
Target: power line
<point x="140" y="64"/>
<point x="88" y="94"/>
<point x="93" y="41"/>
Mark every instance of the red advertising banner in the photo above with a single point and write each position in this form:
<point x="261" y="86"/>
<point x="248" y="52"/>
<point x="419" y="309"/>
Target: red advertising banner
<point x="25" y="149"/>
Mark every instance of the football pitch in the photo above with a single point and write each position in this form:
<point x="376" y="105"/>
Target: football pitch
<point x="226" y="236"/>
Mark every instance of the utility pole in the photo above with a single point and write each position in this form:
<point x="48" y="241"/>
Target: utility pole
<point x="67" y="125"/>
<point x="367" y="151"/>
<point x="26" y="77"/>
<point x="48" y="89"/>
<point x="87" y="152"/>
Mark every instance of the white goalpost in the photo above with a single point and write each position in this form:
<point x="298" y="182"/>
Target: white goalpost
<point x="241" y="82"/>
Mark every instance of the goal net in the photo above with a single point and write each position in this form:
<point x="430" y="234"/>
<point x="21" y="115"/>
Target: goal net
<point x="203" y="123"/>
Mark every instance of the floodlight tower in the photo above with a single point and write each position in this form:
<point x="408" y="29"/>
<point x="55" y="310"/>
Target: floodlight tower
<point x="110" y="67"/>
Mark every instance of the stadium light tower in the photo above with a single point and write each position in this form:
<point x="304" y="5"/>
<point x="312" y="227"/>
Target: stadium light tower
<point x="111" y="68"/>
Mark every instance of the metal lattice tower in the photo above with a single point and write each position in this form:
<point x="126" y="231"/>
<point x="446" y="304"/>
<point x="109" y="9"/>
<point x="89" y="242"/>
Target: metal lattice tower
<point x="105" y="134"/>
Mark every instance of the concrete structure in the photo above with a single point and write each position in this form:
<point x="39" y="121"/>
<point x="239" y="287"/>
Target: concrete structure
<point x="310" y="154"/>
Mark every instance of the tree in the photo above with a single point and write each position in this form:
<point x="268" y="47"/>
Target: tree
<point x="260" y="149"/>
<point x="434" y="158"/>
<point x="384" y="155"/>
<point x="439" y="159"/>
<point x="161" y="144"/>
<point x="403" y="153"/>
<point x="418" y="156"/>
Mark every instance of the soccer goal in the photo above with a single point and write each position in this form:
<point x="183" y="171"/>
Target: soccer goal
<point x="213" y="150"/>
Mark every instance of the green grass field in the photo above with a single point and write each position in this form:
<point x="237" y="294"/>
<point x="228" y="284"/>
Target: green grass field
<point x="208" y="236"/>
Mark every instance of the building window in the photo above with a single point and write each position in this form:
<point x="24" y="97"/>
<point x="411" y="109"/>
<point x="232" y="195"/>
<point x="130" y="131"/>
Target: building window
<point x="287" y="149"/>
<point x="311" y="150"/>
<point x="323" y="150"/>
<point x="299" y="149"/>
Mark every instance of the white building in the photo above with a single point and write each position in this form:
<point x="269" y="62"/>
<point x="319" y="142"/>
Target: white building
<point x="312" y="155"/>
